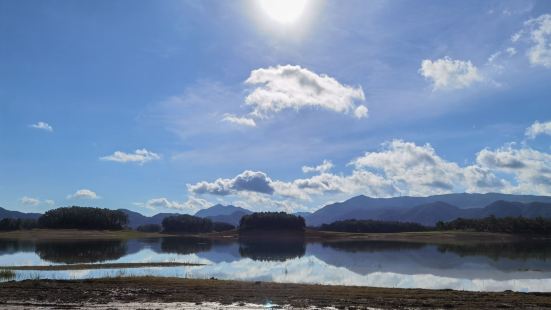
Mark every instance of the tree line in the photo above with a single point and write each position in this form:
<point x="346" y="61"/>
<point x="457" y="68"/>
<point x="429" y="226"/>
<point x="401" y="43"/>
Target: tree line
<point x="372" y="226"/>
<point x="70" y="218"/>
<point x="508" y="225"/>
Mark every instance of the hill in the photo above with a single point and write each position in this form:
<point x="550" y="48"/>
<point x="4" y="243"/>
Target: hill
<point x="17" y="215"/>
<point x="421" y="209"/>
<point x="227" y="214"/>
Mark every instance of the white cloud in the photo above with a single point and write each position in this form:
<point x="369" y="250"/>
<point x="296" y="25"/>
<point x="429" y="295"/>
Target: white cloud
<point x="540" y="35"/>
<point x="140" y="156"/>
<point x="190" y="206"/>
<point x="531" y="169"/>
<point x="252" y="181"/>
<point x="83" y="194"/>
<point x="511" y="51"/>
<point x="42" y="126"/>
<point x="398" y="168"/>
<point x="244" y="121"/>
<point x="30" y="201"/>
<point x="537" y="129"/>
<point x="447" y="73"/>
<point x="360" y="111"/>
<point x="326" y="166"/>
<point x="293" y="87"/>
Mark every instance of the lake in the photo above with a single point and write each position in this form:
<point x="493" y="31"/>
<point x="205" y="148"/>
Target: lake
<point x="524" y="267"/>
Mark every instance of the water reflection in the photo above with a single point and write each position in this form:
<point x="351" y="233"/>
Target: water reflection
<point x="185" y="245"/>
<point x="75" y="252"/>
<point x="517" y="266"/>
<point x="272" y="249"/>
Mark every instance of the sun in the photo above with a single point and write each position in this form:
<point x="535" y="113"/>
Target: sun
<point x="284" y="11"/>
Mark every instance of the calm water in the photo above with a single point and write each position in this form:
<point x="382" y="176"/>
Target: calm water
<point x="484" y="267"/>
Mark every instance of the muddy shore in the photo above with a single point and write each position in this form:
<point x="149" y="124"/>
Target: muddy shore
<point x="167" y="290"/>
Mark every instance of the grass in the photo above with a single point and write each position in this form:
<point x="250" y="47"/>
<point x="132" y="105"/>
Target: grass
<point x="6" y="274"/>
<point x="97" y="266"/>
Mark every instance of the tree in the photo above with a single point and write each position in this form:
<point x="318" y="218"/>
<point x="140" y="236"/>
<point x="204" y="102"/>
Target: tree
<point x="221" y="226"/>
<point x="83" y="218"/>
<point x="7" y="224"/>
<point x="272" y="221"/>
<point x="149" y="228"/>
<point x="187" y="224"/>
<point x="372" y="226"/>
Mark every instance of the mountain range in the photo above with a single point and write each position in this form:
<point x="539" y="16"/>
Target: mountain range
<point x="402" y="208"/>
<point x="424" y="210"/>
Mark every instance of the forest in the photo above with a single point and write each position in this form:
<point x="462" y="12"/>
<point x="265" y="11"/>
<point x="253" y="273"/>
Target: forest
<point x="508" y="225"/>
<point x="83" y="218"/>
<point x="372" y="226"/>
<point x="271" y="221"/>
<point x="187" y="224"/>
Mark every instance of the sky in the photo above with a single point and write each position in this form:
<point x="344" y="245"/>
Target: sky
<point x="173" y="106"/>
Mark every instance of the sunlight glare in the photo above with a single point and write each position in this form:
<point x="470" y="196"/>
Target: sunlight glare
<point x="283" y="11"/>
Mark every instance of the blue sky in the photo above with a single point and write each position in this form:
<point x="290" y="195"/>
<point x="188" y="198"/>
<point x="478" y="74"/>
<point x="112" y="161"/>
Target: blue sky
<point x="171" y="106"/>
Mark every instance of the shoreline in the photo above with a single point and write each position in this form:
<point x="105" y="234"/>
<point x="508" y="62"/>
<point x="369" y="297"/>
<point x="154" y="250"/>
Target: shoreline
<point x="169" y="290"/>
<point x="97" y="266"/>
<point x="434" y="237"/>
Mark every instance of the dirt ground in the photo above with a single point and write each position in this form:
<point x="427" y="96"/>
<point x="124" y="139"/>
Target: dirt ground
<point x="171" y="290"/>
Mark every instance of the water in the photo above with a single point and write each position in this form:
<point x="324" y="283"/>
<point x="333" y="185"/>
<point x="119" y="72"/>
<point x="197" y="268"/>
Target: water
<point x="522" y="267"/>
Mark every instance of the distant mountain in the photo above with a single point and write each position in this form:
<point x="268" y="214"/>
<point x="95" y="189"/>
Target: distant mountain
<point x="399" y="208"/>
<point x="136" y="219"/>
<point x="17" y="215"/>
<point x="219" y="209"/>
<point x="220" y="213"/>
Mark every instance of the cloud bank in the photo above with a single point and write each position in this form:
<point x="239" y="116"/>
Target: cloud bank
<point x="398" y="168"/>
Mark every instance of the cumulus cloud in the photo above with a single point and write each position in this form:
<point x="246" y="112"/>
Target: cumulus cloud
<point x="323" y="167"/>
<point x="83" y="194"/>
<point x="530" y="168"/>
<point x="398" y="168"/>
<point x="537" y="129"/>
<point x="190" y="206"/>
<point x="252" y="181"/>
<point x="42" y="126"/>
<point x="292" y="87"/>
<point x="447" y="73"/>
<point x="29" y="201"/>
<point x="140" y="156"/>
<point x="239" y="120"/>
